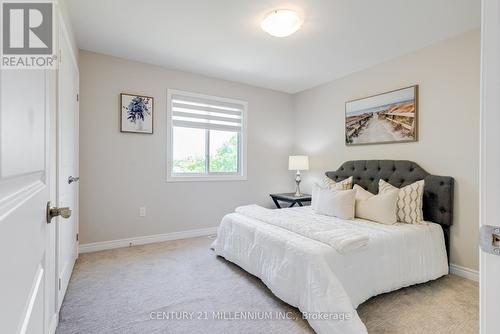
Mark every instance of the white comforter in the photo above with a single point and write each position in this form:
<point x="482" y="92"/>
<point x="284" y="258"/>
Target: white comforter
<point x="321" y="281"/>
<point x="343" y="236"/>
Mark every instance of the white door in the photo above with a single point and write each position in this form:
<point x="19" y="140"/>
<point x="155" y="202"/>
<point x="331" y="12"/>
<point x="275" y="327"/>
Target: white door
<point x="490" y="167"/>
<point x="67" y="164"/>
<point x="24" y="193"/>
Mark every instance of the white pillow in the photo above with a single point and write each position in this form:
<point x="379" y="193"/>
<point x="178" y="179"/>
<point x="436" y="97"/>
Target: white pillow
<point x="342" y="185"/>
<point x="335" y="203"/>
<point x="315" y="195"/>
<point x="410" y="201"/>
<point x="379" y="208"/>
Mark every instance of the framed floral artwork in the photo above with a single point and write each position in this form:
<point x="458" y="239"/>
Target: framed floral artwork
<point x="136" y="113"/>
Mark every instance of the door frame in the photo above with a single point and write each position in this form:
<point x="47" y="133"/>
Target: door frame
<point x="489" y="211"/>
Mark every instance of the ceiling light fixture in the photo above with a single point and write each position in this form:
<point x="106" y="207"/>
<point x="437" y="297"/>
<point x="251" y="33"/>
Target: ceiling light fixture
<point x="281" y="23"/>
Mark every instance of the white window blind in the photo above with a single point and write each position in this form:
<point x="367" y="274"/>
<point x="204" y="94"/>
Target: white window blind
<point x="207" y="137"/>
<point x="196" y="112"/>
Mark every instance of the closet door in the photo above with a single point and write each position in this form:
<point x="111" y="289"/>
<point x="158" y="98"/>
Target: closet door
<point x="67" y="164"/>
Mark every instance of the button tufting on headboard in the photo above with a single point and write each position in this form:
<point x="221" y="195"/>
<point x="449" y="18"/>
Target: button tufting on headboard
<point x="438" y="190"/>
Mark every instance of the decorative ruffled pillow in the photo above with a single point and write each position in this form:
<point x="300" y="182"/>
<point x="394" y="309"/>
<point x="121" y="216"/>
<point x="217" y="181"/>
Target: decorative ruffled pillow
<point x="342" y="185"/>
<point x="410" y="201"/>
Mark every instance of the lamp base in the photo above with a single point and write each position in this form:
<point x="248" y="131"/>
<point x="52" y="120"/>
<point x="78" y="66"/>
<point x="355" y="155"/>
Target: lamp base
<point x="297" y="187"/>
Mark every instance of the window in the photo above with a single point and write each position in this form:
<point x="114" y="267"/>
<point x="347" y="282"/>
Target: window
<point x="206" y="138"/>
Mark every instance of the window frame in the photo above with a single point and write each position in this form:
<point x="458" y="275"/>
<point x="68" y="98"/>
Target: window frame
<point x="241" y="175"/>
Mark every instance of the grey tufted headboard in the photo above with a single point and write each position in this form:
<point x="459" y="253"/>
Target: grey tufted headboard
<point x="438" y="190"/>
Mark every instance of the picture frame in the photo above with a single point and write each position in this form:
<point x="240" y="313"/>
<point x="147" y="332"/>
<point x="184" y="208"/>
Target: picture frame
<point x="390" y="117"/>
<point x="136" y="113"/>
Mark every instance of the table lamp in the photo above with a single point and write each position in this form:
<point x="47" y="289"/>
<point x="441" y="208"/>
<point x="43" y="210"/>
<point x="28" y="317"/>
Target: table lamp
<point x="298" y="163"/>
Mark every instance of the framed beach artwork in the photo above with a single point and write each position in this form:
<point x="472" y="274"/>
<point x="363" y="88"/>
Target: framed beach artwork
<point x="136" y="113"/>
<point x="384" y="118"/>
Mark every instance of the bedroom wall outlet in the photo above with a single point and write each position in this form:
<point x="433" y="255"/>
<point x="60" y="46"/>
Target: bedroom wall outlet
<point x="142" y="211"/>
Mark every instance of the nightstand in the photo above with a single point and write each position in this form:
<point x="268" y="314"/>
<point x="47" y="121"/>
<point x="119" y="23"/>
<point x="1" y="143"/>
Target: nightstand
<point x="290" y="198"/>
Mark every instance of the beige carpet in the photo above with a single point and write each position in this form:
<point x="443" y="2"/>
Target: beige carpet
<point x="120" y="291"/>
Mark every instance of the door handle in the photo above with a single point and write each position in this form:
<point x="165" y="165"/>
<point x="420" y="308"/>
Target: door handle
<point x="52" y="212"/>
<point x="490" y="239"/>
<point x="72" y="179"/>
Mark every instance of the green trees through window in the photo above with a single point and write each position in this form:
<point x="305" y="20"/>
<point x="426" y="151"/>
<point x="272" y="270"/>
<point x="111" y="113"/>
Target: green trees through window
<point x="225" y="157"/>
<point x="192" y="153"/>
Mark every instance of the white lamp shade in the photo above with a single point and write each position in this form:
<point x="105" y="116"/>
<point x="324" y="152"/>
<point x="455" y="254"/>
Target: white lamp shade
<point x="298" y="162"/>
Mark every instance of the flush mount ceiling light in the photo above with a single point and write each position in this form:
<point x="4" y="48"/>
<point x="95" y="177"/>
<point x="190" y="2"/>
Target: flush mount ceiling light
<point x="281" y="23"/>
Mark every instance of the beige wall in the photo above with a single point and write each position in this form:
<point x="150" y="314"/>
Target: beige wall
<point x="448" y="79"/>
<point x="121" y="172"/>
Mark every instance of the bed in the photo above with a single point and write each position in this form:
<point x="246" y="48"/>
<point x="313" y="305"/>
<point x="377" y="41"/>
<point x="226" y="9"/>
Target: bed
<point x="323" y="278"/>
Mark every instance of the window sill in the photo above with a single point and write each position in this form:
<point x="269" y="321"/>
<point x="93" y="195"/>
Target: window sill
<point x="191" y="178"/>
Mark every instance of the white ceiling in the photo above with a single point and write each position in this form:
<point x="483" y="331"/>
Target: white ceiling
<point x="223" y="39"/>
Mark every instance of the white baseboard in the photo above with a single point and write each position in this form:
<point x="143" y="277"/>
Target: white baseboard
<point x="149" y="239"/>
<point x="467" y="273"/>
